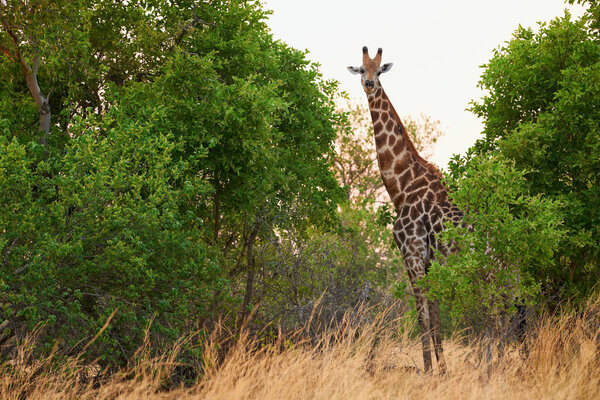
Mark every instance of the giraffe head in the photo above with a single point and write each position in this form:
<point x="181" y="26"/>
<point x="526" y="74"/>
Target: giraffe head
<point x="370" y="70"/>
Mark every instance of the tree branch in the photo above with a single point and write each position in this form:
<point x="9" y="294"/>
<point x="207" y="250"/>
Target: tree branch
<point x="195" y="20"/>
<point x="6" y="52"/>
<point x="32" y="84"/>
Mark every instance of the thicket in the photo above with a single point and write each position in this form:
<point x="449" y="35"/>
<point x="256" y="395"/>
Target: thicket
<point x="530" y="185"/>
<point x="182" y="137"/>
<point x="175" y="163"/>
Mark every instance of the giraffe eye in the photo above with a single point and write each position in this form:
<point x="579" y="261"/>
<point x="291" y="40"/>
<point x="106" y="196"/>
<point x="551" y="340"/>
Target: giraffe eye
<point x="362" y="70"/>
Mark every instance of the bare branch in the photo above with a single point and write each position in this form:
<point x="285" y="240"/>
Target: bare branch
<point x="32" y="83"/>
<point x="7" y="53"/>
<point x="195" y="20"/>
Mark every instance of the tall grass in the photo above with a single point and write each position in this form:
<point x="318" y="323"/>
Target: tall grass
<point x="368" y="360"/>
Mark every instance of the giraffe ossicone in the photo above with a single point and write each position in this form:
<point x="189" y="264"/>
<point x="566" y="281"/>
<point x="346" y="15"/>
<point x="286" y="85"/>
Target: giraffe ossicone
<point x="419" y="195"/>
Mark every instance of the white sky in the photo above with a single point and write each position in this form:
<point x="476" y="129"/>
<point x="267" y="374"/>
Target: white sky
<point x="437" y="47"/>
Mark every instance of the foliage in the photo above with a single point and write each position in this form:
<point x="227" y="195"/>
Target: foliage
<point x="505" y="246"/>
<point x="424" y="132"/>
<point x="182" y="136"/>
<point x="541" y="113"/>
<point x="107" y="230"/>
<point x="325" y="274"/>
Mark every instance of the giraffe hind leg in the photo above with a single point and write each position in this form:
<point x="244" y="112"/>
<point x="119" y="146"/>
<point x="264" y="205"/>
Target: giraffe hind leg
<point x="415" y="256"/>
<point x="436" y="333"/>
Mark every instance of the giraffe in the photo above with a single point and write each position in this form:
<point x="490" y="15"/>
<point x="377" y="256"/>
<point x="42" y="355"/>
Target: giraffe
<point x="420" y="199"/>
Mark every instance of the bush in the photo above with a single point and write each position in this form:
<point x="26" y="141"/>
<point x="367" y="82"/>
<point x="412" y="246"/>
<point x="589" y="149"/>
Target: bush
<point x="508" y="240"/>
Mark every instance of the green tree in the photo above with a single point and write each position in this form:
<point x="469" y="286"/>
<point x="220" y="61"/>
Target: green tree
<point x="541" y="113"/>
<point x="508" y="240"/>
<point x="183" y="138"/>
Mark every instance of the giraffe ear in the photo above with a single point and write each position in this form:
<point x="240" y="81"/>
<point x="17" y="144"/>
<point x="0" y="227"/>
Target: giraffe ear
<point x="385" y="68"/>
<point x="354" y="70"/>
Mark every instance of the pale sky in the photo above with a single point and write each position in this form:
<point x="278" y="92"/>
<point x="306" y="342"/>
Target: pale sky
<point x="437" y="47"/>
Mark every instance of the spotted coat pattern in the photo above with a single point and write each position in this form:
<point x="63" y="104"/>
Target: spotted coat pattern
<point x="422" y="205"/>
<point x="420" y="199"/>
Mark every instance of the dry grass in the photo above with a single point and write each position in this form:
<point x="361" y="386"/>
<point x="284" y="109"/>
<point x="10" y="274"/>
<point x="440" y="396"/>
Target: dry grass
<point x="371" y="361"/>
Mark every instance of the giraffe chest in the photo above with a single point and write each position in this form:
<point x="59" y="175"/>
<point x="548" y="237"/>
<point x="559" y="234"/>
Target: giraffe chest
<point x="419" y="221"/>
<point x="418" y="224"/>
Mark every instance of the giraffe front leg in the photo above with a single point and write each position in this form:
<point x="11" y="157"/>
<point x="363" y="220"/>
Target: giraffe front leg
<point x="424" y="324"/>
<point x="415" y="267"/>
<point x="415" y="257"/>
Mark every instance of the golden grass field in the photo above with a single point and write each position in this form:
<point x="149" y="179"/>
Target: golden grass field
<point x="373" y="361"/>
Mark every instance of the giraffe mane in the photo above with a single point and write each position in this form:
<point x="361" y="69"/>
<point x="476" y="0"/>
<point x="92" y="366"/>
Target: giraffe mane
<point x="411" y="146"/>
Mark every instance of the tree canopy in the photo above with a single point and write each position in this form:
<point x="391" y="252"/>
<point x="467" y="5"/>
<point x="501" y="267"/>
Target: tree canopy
<point x="181" y="135"/>
<point x="530" y="184"/>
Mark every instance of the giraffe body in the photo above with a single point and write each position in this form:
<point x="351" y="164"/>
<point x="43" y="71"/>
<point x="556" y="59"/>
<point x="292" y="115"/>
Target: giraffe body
<point x="420" y="199"/>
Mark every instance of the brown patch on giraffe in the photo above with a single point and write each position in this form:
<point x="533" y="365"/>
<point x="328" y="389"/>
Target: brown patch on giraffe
<point x="378" y="92"/>
<point x="436" y="216"/>
<point x="399" y="147"/>
<point x="377" y="127"/>
<point x="401" y="165"/>
<point x="385" y="105"/>
<point x="436" y="185"/>
<point x="405" y="211"/>
<point x="393" y="189"/>
<point x="441" y="196"/>
<point x="391" y="181"/>
<point x="411" y="274"/>
<point x="378" y="104"/>
<point x="399" y="200"/>
<point x="420" y="230"/>
<point x="416" y="195"/>
<point x="428" y="204"/>
<point x="421" y="207"/>
<point x="414" y="213"/>
<point x="380" y="140"/>
<point x="430" y="197"/>
<point x="391" y="140"/>
<point x="390" y="125"/>
<point x="431" y="176"/>
<point x="386" y="160"/>
<point x="405" y="178"/>
<point x="417" y="183"/>
<point x="418" y="169"/>
<point x="384" y="117"/>
<point x="401" y="235"/>
<point x="374" y="115"/>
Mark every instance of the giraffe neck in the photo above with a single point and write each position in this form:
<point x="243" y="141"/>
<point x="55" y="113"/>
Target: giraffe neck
<point x="405" y="174"/>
